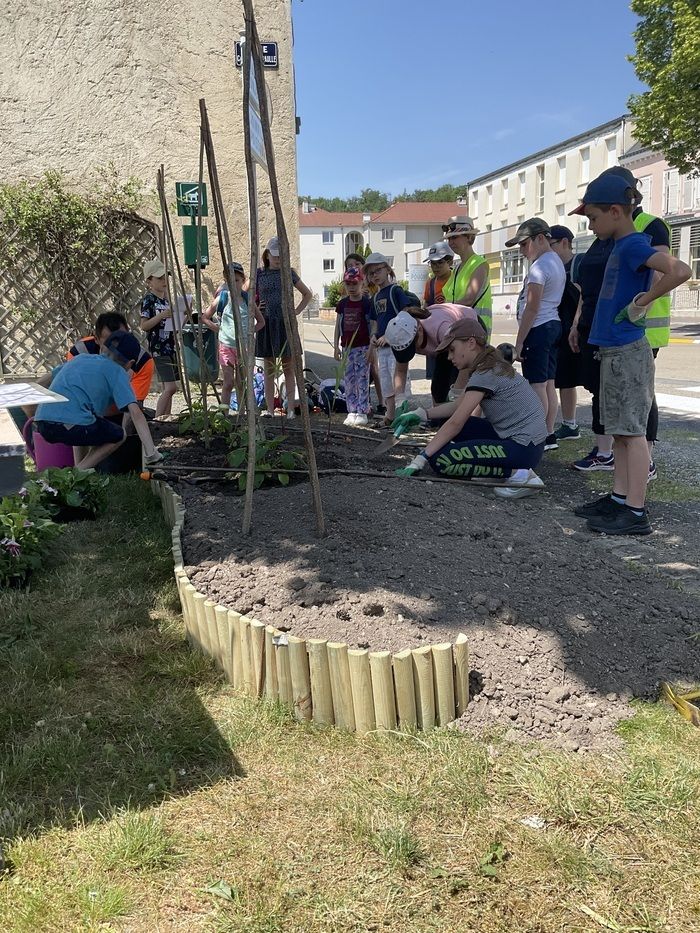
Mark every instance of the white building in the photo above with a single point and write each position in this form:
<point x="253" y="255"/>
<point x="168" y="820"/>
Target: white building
<point x="403" y="233"/>
<point x="546" y="184"/>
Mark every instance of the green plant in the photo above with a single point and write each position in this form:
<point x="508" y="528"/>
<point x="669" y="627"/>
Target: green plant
<point x="25" y="532"/>
<point x="192" y="420"/>
<point x="73" y="488"/>
<point x="136" y="841"/>
<point x="270" y="461"/>
<point x="336" y="290"/>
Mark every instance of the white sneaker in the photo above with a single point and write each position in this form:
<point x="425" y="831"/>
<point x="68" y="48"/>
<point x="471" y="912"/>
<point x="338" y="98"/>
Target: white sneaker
<point x="350" y="420"/>
<point x="360" y="419"/>
<point x="290" y="415"/>
<point x="530" y="486"/>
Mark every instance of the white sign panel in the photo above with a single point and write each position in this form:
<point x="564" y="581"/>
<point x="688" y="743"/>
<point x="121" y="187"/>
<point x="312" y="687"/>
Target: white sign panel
<point x="257" y="143"/>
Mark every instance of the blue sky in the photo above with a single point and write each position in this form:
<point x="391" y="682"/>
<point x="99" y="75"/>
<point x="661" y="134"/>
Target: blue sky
<point x="396" y="94"/>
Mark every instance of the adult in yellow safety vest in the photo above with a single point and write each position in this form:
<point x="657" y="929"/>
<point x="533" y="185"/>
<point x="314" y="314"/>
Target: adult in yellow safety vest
<point x="469" y="283"/>
<point x="657" y="320"/>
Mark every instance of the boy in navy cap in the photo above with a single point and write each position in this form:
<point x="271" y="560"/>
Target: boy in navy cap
<point x="91" y="384"/>
<point x="627" y="363"/>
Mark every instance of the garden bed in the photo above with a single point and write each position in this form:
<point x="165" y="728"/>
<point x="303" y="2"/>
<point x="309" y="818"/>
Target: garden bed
<point x="563" y="626"/>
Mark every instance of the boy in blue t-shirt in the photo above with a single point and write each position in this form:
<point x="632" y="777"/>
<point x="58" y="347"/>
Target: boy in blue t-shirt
<point x="626" y="360"/>
<point x="91" y="384"/>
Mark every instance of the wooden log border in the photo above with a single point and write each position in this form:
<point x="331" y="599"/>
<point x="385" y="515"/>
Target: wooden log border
<point x="325" y="682"/>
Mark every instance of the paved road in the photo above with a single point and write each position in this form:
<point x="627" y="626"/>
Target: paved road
<point x="677" y="366"/>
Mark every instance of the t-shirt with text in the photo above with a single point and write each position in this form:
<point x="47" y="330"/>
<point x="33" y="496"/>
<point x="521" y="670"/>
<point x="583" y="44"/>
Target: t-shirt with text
<point x="626" y="274"/>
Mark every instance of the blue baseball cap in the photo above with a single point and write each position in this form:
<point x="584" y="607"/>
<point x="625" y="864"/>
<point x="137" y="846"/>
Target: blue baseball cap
<point x="124" y="345"/>
<point x="607" y="189"/>
<point x="559" y="232"/>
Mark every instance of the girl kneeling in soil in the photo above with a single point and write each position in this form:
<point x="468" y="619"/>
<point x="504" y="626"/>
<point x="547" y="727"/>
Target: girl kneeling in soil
<point x="505" y="444"/>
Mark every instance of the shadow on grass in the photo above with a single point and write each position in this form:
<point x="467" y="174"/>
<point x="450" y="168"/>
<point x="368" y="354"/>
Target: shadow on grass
<point x="100" y="707"/>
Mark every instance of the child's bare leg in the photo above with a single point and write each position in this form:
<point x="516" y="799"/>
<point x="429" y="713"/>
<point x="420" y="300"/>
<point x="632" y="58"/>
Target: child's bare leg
<point x="164" y="405"/>
<point x="636" y="463"/>
<point x="79" y="453"/>
<point x="227" y="383"/>
<point x="96" y="455"/>
<point x="390" y="402"/>
<point x="552" y="405"/>
<point x="289" y="382"/>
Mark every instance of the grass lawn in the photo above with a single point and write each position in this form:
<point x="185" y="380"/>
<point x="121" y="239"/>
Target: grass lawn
<point x="138" y="792"/>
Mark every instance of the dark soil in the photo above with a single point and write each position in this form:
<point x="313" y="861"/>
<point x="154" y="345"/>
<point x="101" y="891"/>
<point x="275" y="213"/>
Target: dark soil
<point x="564" y="626"/>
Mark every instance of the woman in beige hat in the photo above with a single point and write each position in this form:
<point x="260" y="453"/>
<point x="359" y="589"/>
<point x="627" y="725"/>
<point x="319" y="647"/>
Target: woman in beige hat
<point x="469" y="282"/>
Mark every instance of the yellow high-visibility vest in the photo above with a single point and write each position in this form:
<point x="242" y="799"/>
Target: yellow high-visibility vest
<point x="455" y="288"/>
<point x="657" y="320"/>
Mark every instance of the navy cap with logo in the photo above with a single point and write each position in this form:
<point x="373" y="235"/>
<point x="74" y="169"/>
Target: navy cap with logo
<point x="123" y="345"/>
<point x="560" y="232"/>
<point x="527" y="229"/>
<point x="607" y="189"/>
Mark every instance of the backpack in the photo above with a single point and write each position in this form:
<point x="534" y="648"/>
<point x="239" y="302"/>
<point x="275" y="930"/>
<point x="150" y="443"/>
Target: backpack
<point x="414" y="300"/>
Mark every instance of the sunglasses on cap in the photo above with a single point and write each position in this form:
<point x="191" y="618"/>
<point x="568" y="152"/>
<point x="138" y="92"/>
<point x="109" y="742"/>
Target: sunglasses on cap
<point x="453" y="226"/>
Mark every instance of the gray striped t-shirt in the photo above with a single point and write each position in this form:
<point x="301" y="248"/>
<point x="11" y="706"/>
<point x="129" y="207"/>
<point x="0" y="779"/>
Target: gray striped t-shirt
<point x="512" y="406"/>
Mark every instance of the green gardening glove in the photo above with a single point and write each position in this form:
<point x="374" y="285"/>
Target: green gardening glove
<point x="408" y="419"/>
<point x="417" y="465"/>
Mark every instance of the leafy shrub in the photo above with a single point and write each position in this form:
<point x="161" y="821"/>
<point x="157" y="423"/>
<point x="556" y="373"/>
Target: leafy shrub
<point x="336" y="290"/>
<point x="192" y="420"/>
<point x="270" y="462"/>
<point x="25" y="532"/>
<point x="73" y="488"/>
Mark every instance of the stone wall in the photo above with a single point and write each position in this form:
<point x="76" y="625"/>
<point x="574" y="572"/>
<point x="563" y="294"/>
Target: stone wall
<point x="86" y="84"/>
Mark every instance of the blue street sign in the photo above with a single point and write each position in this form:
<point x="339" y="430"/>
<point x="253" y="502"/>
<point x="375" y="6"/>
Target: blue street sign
<point x="268" y="50"/>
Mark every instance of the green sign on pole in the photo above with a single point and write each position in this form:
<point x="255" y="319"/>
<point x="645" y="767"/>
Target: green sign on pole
<point x="189" y="243"/>
<point x="188" y="199"/>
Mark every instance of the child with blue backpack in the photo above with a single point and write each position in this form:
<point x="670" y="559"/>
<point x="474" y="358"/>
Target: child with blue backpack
<point x="388" y="301"/>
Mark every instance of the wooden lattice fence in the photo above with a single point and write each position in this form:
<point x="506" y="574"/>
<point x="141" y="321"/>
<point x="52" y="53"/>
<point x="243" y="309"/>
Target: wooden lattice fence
<point x="42" y="311"/>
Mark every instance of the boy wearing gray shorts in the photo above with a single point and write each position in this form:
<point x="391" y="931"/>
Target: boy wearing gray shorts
<point x="626" y="360"/>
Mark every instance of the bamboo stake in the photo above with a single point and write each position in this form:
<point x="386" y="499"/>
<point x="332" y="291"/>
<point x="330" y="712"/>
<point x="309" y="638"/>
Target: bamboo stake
<point x="383" y="689"/>
<point x="271" y="689"/>
<point x="460" y="653"/>
<point x="290" y="320"/>
<point x="321" y="695"/>
<point x="362" y="699"/>
<point x="301" y="681"/>
<point x="254" y="260"/>
<point x="402" y="663"/>
<point x="168" y="255"/>
<point x="444" y="683"/>
<point x="341" y="686"/>
<point x="222" y="628"/>
<point x="236" y="652"/>
<point x="198" y="297"/>
<point x="424" y="687"/>
<point x="257" y="641"/>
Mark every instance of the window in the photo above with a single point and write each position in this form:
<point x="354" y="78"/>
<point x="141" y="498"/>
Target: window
<point x="520" y="218"/>
<point x="513" y="266"/>
<point x="611" y="153"/>
<point x="561" y="173"/>
<point x="695" y="251"/>
<point x="390" y="260"/>
<point x="489" y="198"/>
<point x="671" y="191"/>
<point x="584" y="165"/>
<point x="521" y="187"/>
<point x="645" y="189"/>
<point x="488" y="227"/>
<point x="327" y="237"/>
<point x="675" y="241"/>
<point x="329" y="265"/>
<point x="582" y="224"/>
<point x="387" y="234"/>
<point x="504" y="195"/>
<point x="475" y="203"/>
<point x="540" y="189"/>
<point x="560" y="213"/>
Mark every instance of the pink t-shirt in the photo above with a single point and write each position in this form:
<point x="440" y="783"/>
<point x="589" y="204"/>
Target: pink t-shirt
<point x="435" y="327"/>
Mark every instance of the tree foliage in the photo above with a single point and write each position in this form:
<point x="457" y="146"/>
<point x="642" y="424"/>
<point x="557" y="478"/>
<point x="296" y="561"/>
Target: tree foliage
<point x="372" y="201"/>
<point x="668" y="61"/>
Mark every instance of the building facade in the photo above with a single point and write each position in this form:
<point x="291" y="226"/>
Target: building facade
<point x="86" y="85"/>
<point x="546" y="184"/>
<point x="403" y="232"/>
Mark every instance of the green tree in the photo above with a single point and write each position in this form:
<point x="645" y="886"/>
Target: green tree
<point x="668" y="61"/>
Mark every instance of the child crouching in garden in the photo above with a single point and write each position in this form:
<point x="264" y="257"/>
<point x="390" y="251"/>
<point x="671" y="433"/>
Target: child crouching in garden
<point x="353" y="330"/>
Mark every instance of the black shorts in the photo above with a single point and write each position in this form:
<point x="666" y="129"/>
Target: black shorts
<point x="589" y="363"/>
<point x="166" y="369"/>
<point x="568" y="374"/>
<point x="100" y="432"/>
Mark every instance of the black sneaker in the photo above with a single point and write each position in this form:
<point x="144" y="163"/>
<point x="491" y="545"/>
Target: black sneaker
<point x="605" y="505"/>
<point x="621" y="522"/>
<point x="551" y="442"/>
<point x="380" y="410"/>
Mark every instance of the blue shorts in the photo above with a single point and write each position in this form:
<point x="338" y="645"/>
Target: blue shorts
<point x="100" y="432"/>
<point x="540" y="352"/>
